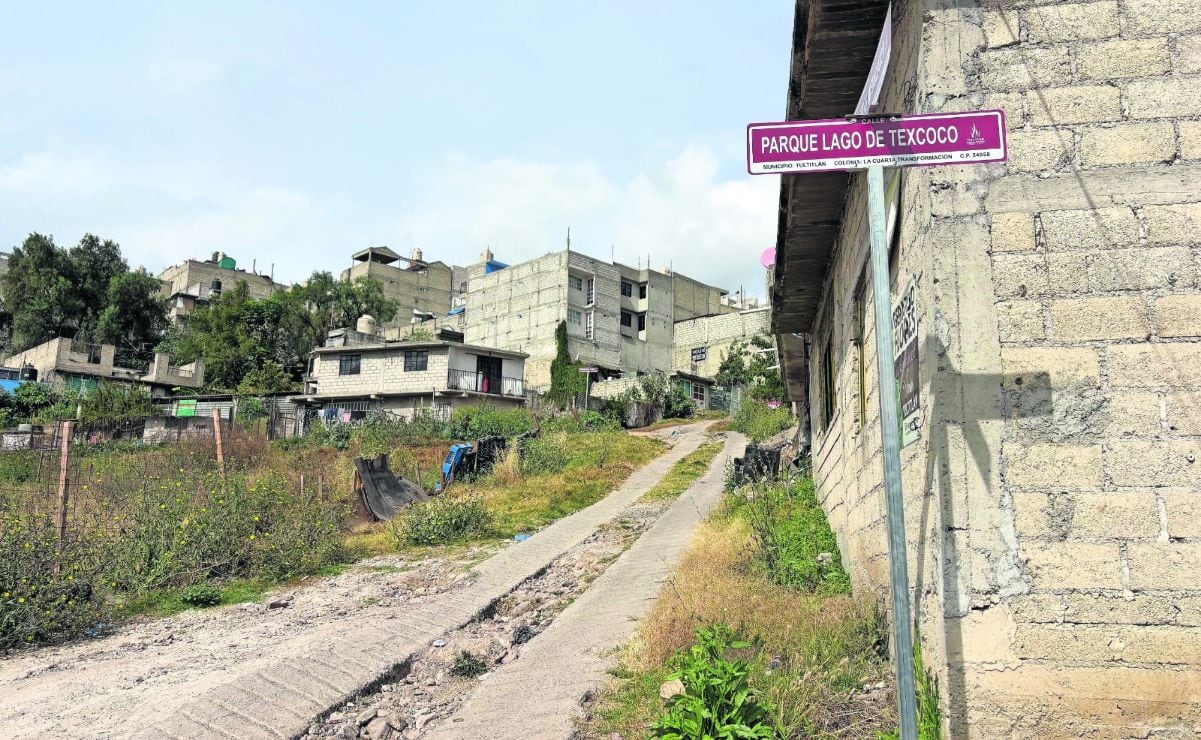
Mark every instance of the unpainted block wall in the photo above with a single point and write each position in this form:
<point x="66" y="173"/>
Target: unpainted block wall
<point x="716" y="334"/>
<point x="1052" y="500"/>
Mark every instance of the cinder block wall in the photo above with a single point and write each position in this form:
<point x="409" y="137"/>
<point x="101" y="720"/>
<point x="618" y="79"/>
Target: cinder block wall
<point x="1053" y="501"/>
<point x="715" y="334"/>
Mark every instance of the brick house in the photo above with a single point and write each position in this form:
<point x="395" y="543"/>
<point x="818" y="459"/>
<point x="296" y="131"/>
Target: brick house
<point x="77" y="366"/>
<point x="357" y="373"/>
<point x="1051" y="476"/>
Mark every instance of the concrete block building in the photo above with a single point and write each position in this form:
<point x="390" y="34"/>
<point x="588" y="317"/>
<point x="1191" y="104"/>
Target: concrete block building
<point x="1052" y="470"/>
<point x="192" y="283"/>
<point x="79" y="367"/>
<point x="358" y="373"/>
<point x="700" y="344"/>
<point x="619" y="319"/>
<point x="417" y="286"/>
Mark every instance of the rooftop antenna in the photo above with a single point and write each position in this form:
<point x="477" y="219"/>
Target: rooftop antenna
<point x="569" y="237"/>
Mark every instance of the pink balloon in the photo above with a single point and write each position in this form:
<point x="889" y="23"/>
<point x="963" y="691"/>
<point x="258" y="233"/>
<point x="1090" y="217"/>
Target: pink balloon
<point x="768" y="258"/>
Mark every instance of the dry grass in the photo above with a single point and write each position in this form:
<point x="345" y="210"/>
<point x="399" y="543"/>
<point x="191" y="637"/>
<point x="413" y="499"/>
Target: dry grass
<point x="683" y="473"/>
<point x="825" y="646"/>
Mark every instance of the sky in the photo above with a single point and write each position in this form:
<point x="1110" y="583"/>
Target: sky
<point x="297" y="133"/>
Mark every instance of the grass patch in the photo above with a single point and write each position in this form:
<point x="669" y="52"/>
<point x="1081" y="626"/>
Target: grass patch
<point x="808" y="649"/>
<point x="595" y="464"/>
<point x="166" y="602"/>
<point x="684" y="473"/>
<point x="759" y="422"/>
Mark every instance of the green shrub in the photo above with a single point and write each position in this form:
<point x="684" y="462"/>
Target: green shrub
<point x="759" y="421"/>
<point x="440" y="521"/>
<point x="718" y="701"/>
<point x="335" y="435"/>
<point x="468" y="665"/>
<point x="485" y="420"/>
<point x="47" y="591"/>
<point x="177" y="534"/>
<point x="548" y="453"/>
<point x="201" y="595"/>
<point x="585" y="421"/>
<point x="795" y="543"/>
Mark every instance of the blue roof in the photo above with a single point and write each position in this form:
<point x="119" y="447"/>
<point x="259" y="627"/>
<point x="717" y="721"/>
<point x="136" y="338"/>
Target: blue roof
<point x="456" y="311"/>
<point x="493" y="266"/>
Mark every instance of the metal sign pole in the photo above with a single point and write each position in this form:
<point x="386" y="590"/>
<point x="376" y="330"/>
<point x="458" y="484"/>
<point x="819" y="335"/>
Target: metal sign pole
<point x="890" y="430"/>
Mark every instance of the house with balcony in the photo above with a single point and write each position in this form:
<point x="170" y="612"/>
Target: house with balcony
<point x="356" y="373"/>
<point x="77" y="366"/>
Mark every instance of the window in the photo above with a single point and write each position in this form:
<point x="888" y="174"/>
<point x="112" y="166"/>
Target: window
<point x="591" y="291"/>
<point x="642" y="290"/>
<point x="698" y="393"/>
<point x="574" y="317"/>
<point x="588" y="330"/>
<point x="349" y="364"/>
<point x="416" y="359"/>
<point x="642" y="322"/>
<point x="576" y="282"/>
<point x="627" y="319"/>
<point x="860" y="349"/>
<point x="826" y="380"/>
<point x="627" y="289"/>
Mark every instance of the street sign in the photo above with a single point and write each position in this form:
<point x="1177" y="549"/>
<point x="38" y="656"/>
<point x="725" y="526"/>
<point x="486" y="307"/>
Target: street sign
<point x="700" y="354"/>
<point x="589" y="370"/>
<point x="972" y="137"/>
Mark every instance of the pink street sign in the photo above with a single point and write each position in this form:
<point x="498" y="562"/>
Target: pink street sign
<point x="973" y="137"/>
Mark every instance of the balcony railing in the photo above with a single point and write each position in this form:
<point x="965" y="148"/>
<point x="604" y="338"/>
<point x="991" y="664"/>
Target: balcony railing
<point x="476" y="382"/>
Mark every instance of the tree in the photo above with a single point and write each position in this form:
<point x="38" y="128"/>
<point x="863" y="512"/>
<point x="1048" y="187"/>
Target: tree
<point x="93" y="265"/>
<point x="566" y="380"/>
<point x="134" y="318"/>
<point x="40" y="293"/>
<point x="363" y="296"/>
<point x="733" y="370"/>
<point x="218" y="333"/>
<point x="269" y="377"/>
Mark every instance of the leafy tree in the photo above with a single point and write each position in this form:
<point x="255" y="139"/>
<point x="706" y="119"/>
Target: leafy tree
<point x="764" y="369"/>
<point x="363" y="296"/>
<point x="218" y="333"/>
<point x="566" y="380"/>
<point x="93" y="265"/>
<point x="733" y="370"/>
<point x="40" y="293"/>
<point x="134" y="318"/>
<point x="266" y="378"/>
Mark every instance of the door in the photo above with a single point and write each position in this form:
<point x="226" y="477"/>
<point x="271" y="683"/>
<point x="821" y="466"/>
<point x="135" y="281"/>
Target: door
<point x="488" y="369"/>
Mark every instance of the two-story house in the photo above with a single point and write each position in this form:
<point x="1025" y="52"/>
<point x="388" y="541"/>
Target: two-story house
<point x="356" y="373"/>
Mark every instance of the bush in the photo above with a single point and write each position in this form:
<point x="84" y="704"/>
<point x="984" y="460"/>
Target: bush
<point x="214" y="529"/>
<point x="337" y="436"/>
<point x="46" y="591"/>
<point x="759" y="421"/>
<point x="201" y="595"/>
<point x="795" y="543"/>
<point x="548" y="453"/>
<point x="441" y="521"/>
<point x="718" y="701"/>
<point x="585" y="421"/>
<point x="468" y="665"/>
<point x="485" y="420"/>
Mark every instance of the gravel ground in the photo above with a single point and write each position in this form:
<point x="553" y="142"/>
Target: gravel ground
<point x="430" y="691"/>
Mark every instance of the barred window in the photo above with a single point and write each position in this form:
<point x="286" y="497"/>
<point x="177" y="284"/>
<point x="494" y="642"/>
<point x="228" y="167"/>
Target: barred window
<point x="349" y="364"/>
<point x="416" y="359"/>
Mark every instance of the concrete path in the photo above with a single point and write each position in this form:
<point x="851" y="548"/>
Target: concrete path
<point x="277" y="691"/>
<point x="539" y="695"/>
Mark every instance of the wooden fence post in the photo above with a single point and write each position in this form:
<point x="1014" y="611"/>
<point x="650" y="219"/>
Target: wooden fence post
<point x="64" y="480"/>
<point x="217" y="435"/>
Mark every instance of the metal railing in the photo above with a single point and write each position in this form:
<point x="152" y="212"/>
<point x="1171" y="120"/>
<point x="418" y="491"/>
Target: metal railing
<point x="477" y="382"/>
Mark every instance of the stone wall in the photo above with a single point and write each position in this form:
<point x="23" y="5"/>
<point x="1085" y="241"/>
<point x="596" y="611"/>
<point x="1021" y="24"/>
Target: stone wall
<point x="1052" y="499"/>
<point x="381" y="371"/>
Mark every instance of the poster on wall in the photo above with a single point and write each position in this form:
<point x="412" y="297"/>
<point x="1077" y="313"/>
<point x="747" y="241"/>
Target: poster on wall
<point x="904" y="335"/>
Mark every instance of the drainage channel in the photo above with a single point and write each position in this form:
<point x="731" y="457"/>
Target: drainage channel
<point x="433" y="683"/>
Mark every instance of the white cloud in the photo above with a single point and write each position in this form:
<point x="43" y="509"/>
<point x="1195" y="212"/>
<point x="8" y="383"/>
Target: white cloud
<point x="680" y="211"/>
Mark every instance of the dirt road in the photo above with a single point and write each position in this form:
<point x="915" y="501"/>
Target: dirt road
<point x="254" y="671"/>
